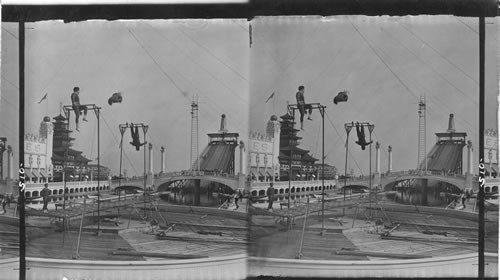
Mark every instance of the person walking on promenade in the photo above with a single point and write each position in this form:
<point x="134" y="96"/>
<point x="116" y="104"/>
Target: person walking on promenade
<point x="463" y="197"/>
<point x="236" y="197"/>
<point x="45" y="193"/>
<point x="270" y="196"/>
<point x="4" y="203"/>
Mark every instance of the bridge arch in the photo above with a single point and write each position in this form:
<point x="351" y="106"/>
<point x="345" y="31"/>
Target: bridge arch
<point x="457" y="182"/>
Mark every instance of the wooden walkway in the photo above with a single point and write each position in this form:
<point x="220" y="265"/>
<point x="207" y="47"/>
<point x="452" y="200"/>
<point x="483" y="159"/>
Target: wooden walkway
<point x="300" y="210"/>
<point x="359" y="233"/>
<point x="75" y="210"/>
<point x="128" y="237"/>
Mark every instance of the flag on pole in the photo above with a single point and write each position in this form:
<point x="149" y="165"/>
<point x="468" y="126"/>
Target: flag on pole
<point x="43" y="98"/>
<point x="271" y="96"/>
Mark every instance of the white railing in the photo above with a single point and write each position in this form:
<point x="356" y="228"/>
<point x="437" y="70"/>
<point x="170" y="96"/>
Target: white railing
<point x="296" y="184"/>
<point x="225" y="267"/>
<point x="465" y="265"/>
<point x="55" y="185"/>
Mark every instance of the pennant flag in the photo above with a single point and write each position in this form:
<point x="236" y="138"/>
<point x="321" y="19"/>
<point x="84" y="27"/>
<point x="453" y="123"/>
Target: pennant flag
<point x="271" y="96"/>
<point x="43" y="98"/>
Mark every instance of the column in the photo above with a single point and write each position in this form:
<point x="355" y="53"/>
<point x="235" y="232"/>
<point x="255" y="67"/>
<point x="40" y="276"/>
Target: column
<point x="150" y="175"/>
<point x="389" y="169"/>
<point x="469" y="157"/>
<point x="162" y="160"/>
<point x="377" y="158"/>
<point x="10" y="163"/>
<point x="150" y="146"/>
<point x="242" y="147"/>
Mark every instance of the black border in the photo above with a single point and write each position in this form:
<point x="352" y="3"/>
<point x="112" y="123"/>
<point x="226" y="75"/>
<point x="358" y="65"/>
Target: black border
<point x="253" y="8"/>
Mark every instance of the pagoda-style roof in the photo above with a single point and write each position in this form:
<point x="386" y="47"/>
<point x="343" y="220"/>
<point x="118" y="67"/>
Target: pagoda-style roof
<point x="290" y="137"/>
<point x="57" y="157"/>
<point x="78" y="158"/>
<point x="82" y="159"/>
<point x="296" y="150"/>
<point x="59" y="118"/>
<point x="63" y="137"/>
<point x="70" y="151"/>
<point x="307" y="157"/>
<point x="286" y="116"/>
<point x="289" y="130"/>
<point x="283" y="156"/>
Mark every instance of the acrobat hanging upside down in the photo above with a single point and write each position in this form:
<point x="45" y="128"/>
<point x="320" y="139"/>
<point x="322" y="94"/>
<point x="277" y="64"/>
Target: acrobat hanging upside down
<point x="360" y="129"/>
<point x="135" y="138"/>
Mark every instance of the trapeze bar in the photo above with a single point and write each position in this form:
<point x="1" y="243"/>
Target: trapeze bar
<point x="88" y="106"/>
<point x="353" y="124"/>
<point x="313" y="106"/>
<point x="127" y="125"/>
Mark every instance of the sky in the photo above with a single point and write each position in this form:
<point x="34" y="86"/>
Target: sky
<point x="386" y="64"/>
<point x="159" y="66"/>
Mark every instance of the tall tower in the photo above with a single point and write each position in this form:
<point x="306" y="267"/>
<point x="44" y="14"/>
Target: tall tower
<point x="422" y="158"/>
<point x="194" y="135"/>
<point x="47" y="131"/>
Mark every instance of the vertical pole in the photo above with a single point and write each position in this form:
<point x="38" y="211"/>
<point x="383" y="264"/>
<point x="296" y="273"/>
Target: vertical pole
<point x="64" y="161"/>
<point x="370" y="158"/>
<point x="144" y="193"/>
<point x="2" y="149"/>
<point x="273" y="163"/>
<point x="122" y="130"/>
<point x="480" y="197"/>
<point x="22" y="233"/>
<point x="348" y="129"/>
<point x="290" y="160"/>
<point x="346" y="158"/>
<point x="98" y="172"/>
<point x="322" y="110"/>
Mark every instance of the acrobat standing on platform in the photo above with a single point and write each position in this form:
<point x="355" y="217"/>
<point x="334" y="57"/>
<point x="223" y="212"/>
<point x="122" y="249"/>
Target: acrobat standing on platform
<point x="302" y="106"/>
<point x="77" y="107"/>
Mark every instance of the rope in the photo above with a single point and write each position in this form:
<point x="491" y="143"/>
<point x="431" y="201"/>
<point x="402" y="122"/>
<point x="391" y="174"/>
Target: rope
<point x="423" y="62"/>
<point x="383" y="61"/>
<point x="157" y="64"/>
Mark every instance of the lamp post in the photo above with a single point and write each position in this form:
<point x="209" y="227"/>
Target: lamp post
<point x="144" y="130"/>
<point x="322" y="111"/>
<point x="3" y="140"/>
<point x="122" y="131"/>
<point x="370" y="128"/>
<point x="348" y="127"/>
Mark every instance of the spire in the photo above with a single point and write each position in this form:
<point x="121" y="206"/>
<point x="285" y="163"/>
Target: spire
<point x="451" y="124"/>
<point x="223" y="124"/>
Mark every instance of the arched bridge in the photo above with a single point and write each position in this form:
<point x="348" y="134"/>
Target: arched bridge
<point x="234" y="182"/>
<point x="385" y="179"/>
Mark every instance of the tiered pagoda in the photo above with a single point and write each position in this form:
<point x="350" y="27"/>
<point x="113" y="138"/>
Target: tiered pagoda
<point x="76" y="164"/>
<point x="302" y="162"/>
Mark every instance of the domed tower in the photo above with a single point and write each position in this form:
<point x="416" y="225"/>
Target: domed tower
<point x="47" y="132"/>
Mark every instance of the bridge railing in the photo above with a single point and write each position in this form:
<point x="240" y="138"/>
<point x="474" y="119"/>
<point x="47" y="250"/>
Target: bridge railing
<point x="195" y="173"/>
<point x="421" y="173"/>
